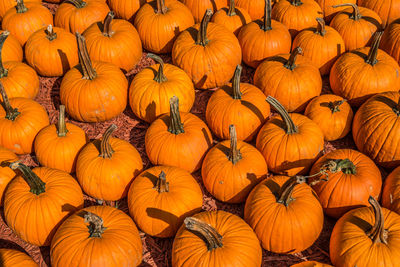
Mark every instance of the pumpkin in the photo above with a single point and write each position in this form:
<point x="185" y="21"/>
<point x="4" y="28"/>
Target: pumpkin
<point x="151" y="89"/>
<point x="290" y="145"/>
<point x="161" y="197"/>
<point x="93" y="91"/>
<point x="6" y="174"/>
<point x="333" y="115"/>
<point x="330" y="11"/>
<point x="348" y="74"/>
<point x="352" y="178"/>
<point x="24" y="19"/>
<point x="199" y="7"/>
<point x="57" y="146"/>
<point x="391" y="40"/>
<point x="104" y="236"/>
<point x="388" y="10"/>
<point x="232" y="168"/>
<point x="178" y="139"/>
<point x="255" y="8"/>
<point x="285" y="214"/>
<point x="356" y="25"/>
<point x="293" y="82"/>
<point x="390" y="192"/>
<point x="106" y="168"/>
<point x="38" y="200"/>
<point x="323" y="45"/>
<point x="78" y="15"/>
<point x="5" y="5"/>
<point x="216" y="238"/>
<point x="12" y="49"/>
<point x="126" y="9"/>
<point x="51" y="51"/>
<point x="160" y="22"/>
<point x="262" y="39"/>
<point x="311" y="264"/>
<point x="208" y="53"/>
<point x="297" y="15"/>
<point x="13" y="258"/>
<point x="20" y="121"/>
<point x="367" y="236"/>
<point x="233" y="18"/>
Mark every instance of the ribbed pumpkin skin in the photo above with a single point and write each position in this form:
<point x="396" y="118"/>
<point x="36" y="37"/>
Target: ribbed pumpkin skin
<point x="329" y="11"/>
<point x="5" y="5"/>
<point x="390" y="40"/>
<point x="388" y="10"/>
<point x="376" y="127"/>
<point x="126" y="9"/>
<point x="95" y="100"/>
<point x="149" y="99"/>
<point x="52" y="58"/>
<point x="12" y="49"/>
<point x="391" y="191"/>
<point x="311" y="264"/>
<point x="22" y="25"/>
<point x="334" y="125"/>
<point x="199" y="7"/>
<point x="284" y="229"/>
<point x="159" y="31"/>
<point x="161" y="214"/>
<point x="18" y="135"/>
<point x="255" y="8"/>
<point x="241" y="247"/>
<point x="123" y="48"/>
<point x="344" y="192"/>
<point x="120" y="244"/>
<point x="79" y="19"/>
<point x="232" y="23"/>
<point x="6" y="174"/>
<point x="34" y="218"/>
<point x="15" y="258"/>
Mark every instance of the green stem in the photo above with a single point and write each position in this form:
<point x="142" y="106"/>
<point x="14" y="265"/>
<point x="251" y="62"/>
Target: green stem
<point x="161" y="8"/>
<point x="286" y="190"/>
<point x="202" y="33"/>
<point x="3" y="37"/>
<point x="11" y="113"/>
<point x="96" y="228"/>
<point x="107" y="31"/>
<point x="50" y="34"/>
<point x="162" y="185"/>
<point x="267" y="25"/>
<point x="377" y="233"/>
<point x="35" y="183"/>
<point x="175" y="125"/>
<point x="291" y="63"/>
<point x="296" y="2"/>
<point x="62" y="128"/>
<point x="234" y="153"/>
<point x="236" y="94"/>
<point x="106" y="151"/>
<point x="88" y="71"/>
<point x="160" y="77"/>
<point x="321" y="27"/>
<point x="231" y="10"/>
<point x="291" y="128"/>
<point x="344" y="165"/>
<point x="77" y="3"/>
<point x="356" y="15"/>
<point x="21" y="8"/>
<point x="373" y="51"/>
<point x="334" y="106"/>
<point x="210" y="235"/>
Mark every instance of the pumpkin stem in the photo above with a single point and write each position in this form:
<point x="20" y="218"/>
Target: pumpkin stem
<point x="377" y="232"/>
<point x="336" y="165"/>
<point x="175" y="125"/>
<point x="202" y="33"/>
<point x="236" y="83"/>
<point x="231" y="10"/>
<point x="88" y="71"/>
<point x="62" y="128"/>
<point x="356" y="15"/>
<point x="96" y="228"/>
<point x="21" y="8"/>
<point x="296" y="2"/>
<point x="321" y="27"/>
<point x="107" y="31"/>
<point x="290" y="64"/>
<point x="77" y="3"/>
<point x="373" y="51"/>
<point x="234" y="153"/>
<point x="286" y="190"/>
<point x="267" y="16"/>
<point x="291" y="128"/>
<point x="50" y="34"/>
<point x="106" y="151"/>
<point x="162" y="185"/>
<point x="210" y="235"/>
<point x="161" y="8"/>
<point x="35" y="183"/>
<point x="11" y="113"/>
<point x="3" y="37"/>
<point x="160" y="77"/>
<point x="334" y="106"/>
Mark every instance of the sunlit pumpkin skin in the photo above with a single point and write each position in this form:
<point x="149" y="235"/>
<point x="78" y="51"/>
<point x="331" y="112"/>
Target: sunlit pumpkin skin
<point x="332" y="114"/>
<point x="290" y="145"/>
<point x="285" y="214"/>
<point x="366" y="237"/>
<point x="35" y="205"/>
<point x="5" y="5"/>
<point x="12" y="49"/>
<point x="391" y="40"/>
<point x="25" y="19"/>
<point x="161" y="197"/>
<point x="293" y="82"/>
<point x="15" y="258"/>
<point x="391" y="191"/>
<point x="356" y="25"/>
<point x="199" y="7"/>
<point x="6" y="174"/>
<point x="311" y="264"/>
<point x="51" y="51"/>
<point x="208" y="53"/>
<point x="93" y="91"/>
<point x="151" y="89"/>
<point x="297" y="15"/>
<point x="126" y="9"/>
<point x="262" y="39"/>
<point x="103" y="235"/>
<point x="329" y="11"/>
<point x="234" y="244"/>
<point x="388" y="10"/>
<point x="57" y="146"/>
<point x="375" y="129"/>
<point x="232" y="17"/>
<point x="255" y="8"/>
<point x="78" y="15"/>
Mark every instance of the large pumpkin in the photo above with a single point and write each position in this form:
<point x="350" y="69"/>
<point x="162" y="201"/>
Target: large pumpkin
<point x="12" y="49"/>
<point x="391" y="40"/>
<point x="388" y="10"/>
<point x="391" y="191"/>
<point x="5" y="5"/>
<point x="15" y="258"/>
<point x="329" y="10"/>
<point x="255" y="8"/>
<point x="199" y="7"/>
<point x="6" y="174"/>
<point x="233" y="18"/>
<point x="126" y="9"/>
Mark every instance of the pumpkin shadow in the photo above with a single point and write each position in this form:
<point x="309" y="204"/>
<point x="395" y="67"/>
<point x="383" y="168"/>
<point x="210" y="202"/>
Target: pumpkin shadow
<point x="64" y="61"/>
<point x="55" y="93"/>
<point x="45" y="252"/>
<point x="10" y="245"/>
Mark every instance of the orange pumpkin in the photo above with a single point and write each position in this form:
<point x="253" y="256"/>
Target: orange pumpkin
<point x="161" y="197"/>
<point x="178" y="139"/>
<point x="38" y="200"/>
<point x="5" y="5"/>
<point x="58" y="146"/>
<point x="208" y="53"/>
<point x="366" y="237"/>
<point x="233" y="18"/>
<point x="391" y="191"/>
<point x="14" y="258"/>
<point x="285" y="214"/>
<point x="104" y="236"/>
<point x="93" y="91"/>
<point x="126" y="9"/>
<point x="199" y="7"/>
<point x="262" y="39"/>
<point x="216" y="238"/>
<point x="388" y="10"/>
<point x="333" y="115"/>
<point x="6" y="174"/>
<point x="292" y="82"/>
<point x="255" y="8"/>
<point x="290" y="145"/>
<point x="151" y="89"/>
<point x="12" y="49"/>
<point x="329" y="11"/>
<point x="391" y="40"/>
<point x="311" y="264"/>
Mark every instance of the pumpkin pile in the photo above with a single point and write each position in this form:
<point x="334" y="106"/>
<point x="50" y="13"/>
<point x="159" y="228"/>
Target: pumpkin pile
<point x="200" y="133"/>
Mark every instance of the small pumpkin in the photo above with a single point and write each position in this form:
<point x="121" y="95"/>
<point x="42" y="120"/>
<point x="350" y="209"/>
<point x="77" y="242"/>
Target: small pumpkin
<point x="5" y="5"/>
<point x="388" y="10"/>
<point x="233" y="18"/>
<point x="391" y="40"/>
<point x="178" y="139"/>
<point x="391" y="191"/>
<point x="199" y="7"/>
<point x="151" y="89"/>
<point x="13" y="258"/>
<point x="216" y="238"/>
<point x="104" y="236"/>
<point x="12" y="49"/>
<point x="126" y="9"/>
<point x="333" y="115"/>
<point x="330" y="11"/>
<point x="255" y="8"/>
<point x="6" y="174"/>
<point x="311" y="264"/>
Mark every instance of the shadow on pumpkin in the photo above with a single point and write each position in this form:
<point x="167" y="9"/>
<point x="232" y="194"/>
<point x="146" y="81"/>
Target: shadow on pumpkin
<point x="10" y="245"/>
<point x="359" y="222"/>
<point x="55" y="93"/>
<point x="64" y="61"/>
